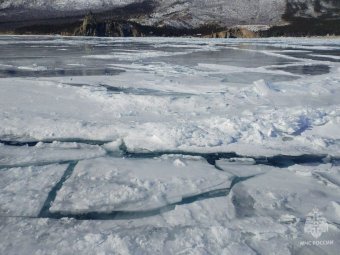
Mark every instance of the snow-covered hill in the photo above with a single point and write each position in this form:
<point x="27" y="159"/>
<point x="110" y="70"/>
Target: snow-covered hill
<point x="193" y="13"/>
<point x="313" y="8"/>
<point x="171" y="12"/>
<point x="63" y="5"/>
<point x="176" y="13"/>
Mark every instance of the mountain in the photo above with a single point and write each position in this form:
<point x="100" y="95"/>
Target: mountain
<point x="181" y="15"/>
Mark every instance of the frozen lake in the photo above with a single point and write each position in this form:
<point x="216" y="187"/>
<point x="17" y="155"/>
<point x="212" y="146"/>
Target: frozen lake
<point x="169" y="145"/>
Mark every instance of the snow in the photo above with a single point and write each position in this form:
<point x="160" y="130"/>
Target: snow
<point x="199" y="12"/>
<point x="326" y="56"/>
<point x="106" y="184"/>
<point x="190" y="13"/>
<point x="258" y="216"/>
<point x="297" y="196"/>
<point x="64" y="5"/>
<point x="252" y="14"/>
<point x="242" y="167"/>
<point x="179" y="145"/>
<point x="25" y="189"/>
<point x="178" y="100"/>
<point x="106" y="238"/>
<point x="47" y="153"/>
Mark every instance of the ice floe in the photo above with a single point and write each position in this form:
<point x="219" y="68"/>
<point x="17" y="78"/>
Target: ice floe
<point x="107" y="184"/>
<point x="47" y="153"/>
<point x="25" y="189"/>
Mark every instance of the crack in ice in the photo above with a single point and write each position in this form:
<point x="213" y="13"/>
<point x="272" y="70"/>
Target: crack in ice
<point x="117" y="215"/>
<point x="44" y="212"/>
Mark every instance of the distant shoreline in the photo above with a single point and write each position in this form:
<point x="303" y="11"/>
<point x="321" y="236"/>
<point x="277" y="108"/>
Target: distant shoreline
<point x="94" y="25"/>
<point x="193" y="37"/>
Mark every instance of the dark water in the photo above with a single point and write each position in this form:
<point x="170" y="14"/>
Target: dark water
<point x="306" y="69"/>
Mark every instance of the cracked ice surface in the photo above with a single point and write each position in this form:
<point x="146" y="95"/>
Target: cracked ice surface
<point x="139" y="122"/>
<point x="47" y="153"/>
<point x="25" y="189"/>
<point x="108" y="184"/>
<point x="183" y="95"/>
<point x="258" y="217"/>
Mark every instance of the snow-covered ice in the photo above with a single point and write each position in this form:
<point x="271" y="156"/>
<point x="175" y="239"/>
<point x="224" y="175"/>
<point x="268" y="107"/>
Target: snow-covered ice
<point x="47" y="153"/>
<point x="206" y="98"/>
<point x="106" y="185"/>
<point x="168" y="145"/>
<point x="258" y="217"/>
<point x="25" y="189"/>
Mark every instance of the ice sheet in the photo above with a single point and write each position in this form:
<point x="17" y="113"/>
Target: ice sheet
<point x="47" y="153"/>
<point x="25" y="189"/>
<point x="296" y="191"/>
<point x="220" y="99"/>
<point x="108" y="184"/>
<point x="176" y="95"/>
<point x="266" y="220"/>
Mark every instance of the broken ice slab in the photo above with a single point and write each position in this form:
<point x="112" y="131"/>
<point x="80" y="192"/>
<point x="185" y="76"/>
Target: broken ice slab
<point x="13" y="156"/>
<point x="25" y="189"/>
<point x="242" y="167"/>
<point x="115" y="184"/>
<point x="296" y="190"/>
